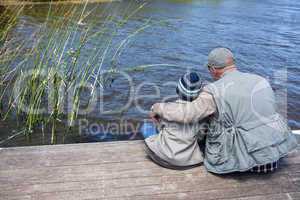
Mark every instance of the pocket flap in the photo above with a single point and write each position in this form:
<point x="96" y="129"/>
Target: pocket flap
<point x="263" y="121"/>
<point x="264" y="135"/>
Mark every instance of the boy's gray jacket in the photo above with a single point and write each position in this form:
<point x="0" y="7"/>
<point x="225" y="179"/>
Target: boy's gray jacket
<point x="177" y="143"/>
<point x="246" y="130"/>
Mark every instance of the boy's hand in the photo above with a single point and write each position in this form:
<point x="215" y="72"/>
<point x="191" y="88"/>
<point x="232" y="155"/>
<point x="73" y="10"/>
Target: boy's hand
<point x="154" y="117"/>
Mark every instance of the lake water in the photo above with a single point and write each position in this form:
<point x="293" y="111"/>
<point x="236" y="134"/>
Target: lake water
<point x="264" y="36"/>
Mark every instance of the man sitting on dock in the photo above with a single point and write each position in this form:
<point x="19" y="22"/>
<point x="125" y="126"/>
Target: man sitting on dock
<point x="245" y="131"/>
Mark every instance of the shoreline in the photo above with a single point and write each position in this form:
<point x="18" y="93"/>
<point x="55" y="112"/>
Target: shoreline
<point x="16" y="2"/>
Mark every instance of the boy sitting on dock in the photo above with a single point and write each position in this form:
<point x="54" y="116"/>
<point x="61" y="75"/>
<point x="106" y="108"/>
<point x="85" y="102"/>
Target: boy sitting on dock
<point x="175" y="145"/>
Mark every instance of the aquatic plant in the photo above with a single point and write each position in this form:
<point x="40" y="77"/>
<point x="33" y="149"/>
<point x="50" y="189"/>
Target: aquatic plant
<point x="44" y="76"/>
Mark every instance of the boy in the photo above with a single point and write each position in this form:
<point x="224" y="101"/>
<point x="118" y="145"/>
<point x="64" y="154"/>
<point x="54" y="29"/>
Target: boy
<point x="175" y="145"/>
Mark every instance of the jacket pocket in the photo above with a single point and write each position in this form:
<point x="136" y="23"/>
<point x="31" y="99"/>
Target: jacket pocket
<point x="260" y="135"/>
<point x="217" y="149"/>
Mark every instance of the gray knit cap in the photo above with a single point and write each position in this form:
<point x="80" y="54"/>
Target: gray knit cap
<point x="220" y="58"/>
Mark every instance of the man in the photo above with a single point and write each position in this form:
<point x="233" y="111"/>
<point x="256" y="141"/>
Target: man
<point x="245" y="131"/>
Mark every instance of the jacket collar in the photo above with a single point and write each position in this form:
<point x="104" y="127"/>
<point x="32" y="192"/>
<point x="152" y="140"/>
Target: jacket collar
<point x="229" y="72"/>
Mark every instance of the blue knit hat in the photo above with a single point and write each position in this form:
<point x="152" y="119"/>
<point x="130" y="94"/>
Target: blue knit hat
<point x="189" y="86"/>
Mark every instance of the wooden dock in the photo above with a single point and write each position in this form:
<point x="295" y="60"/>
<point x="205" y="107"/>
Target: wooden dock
<point x="120" y="170"/>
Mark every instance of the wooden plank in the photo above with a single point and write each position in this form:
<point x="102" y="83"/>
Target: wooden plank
<point x="189" y="196"/>
<point x="155" y="192"/>
<point x="294" y="195"/>
<point x="120" y="170"/>
<point x="73" y="147"/>
<point x="46" y="156"/>
<point x="85" y="154"/>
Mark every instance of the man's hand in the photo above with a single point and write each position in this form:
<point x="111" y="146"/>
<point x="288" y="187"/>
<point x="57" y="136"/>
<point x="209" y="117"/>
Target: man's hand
<point x="155" y="107"/>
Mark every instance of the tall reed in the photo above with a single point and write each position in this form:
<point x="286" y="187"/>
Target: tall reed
<point x="36" y="81"/>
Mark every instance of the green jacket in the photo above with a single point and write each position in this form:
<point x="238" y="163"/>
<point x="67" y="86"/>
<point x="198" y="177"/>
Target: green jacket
<point x="246" y="130"/>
